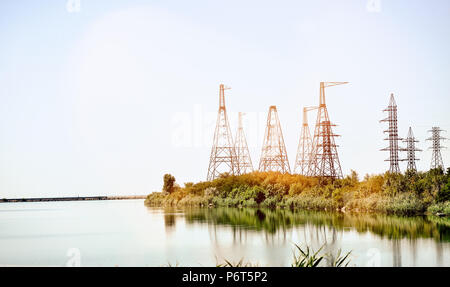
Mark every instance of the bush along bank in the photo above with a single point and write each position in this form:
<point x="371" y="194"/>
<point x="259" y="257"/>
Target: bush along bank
<point x="412" y="193"/>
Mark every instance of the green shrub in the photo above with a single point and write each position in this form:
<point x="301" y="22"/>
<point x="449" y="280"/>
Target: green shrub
<point x="250" y="203"/>
<point x="256" y="193"/>
<point x="405" y="204"/>
<point x="270" y="202"/>
<point x="442" y="208"/>
<point x="338" y="197"/>
<point x="296" y="188"/>
<point x="411" y="193"/>
<point x="444" y="193"/>
<point x="155" y="199"/>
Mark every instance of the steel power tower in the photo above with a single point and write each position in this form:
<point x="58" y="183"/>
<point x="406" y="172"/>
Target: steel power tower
<point x="223" y="155"/>
<point x="274" y="155"/>
<point x="305" y="145"/>
<point x="324" y="161"/>
<point x="240" y="145"/>
<point x="393" y="138"/>
<point x="411" y="150"/>
<point x="436" y="157"/>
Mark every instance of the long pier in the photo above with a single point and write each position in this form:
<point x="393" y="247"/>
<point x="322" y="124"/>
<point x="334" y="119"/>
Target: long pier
<point x="73" y="198"/>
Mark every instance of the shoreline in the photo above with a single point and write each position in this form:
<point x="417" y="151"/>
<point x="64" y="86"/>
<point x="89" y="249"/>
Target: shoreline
<point x="200" y="203"/>
<point x="73" y="198"/>
<point x="413" y="193"/>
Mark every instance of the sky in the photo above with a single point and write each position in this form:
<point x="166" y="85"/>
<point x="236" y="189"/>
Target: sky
<point x="105" y="97"/>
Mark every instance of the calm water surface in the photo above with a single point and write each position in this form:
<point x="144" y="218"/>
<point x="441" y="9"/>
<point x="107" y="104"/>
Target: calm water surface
<point x="126" y="233"/>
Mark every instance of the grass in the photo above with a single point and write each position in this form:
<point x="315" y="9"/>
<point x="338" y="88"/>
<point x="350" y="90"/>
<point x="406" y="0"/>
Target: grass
<point x="303" y="257"/>
<point x="341" y="260"/>
<point x="306" y="257"/>
<point x="240" y="263"/>
<point x="171" y="265"/>
<point x="440" y="209"/>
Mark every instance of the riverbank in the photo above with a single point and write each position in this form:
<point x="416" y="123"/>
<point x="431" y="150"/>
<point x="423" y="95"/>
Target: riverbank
<point x="408" y="194"/>
<point x="77" y="198"/>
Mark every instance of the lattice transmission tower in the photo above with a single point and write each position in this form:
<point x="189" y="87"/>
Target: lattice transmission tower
<point x="324" y="161"/>
<point x="393" y="138"/>
<point x="223" y="155"/>
<point x="411" y="150"/>
<point x="274" y="156"/>
<point x="436" y="138"/>
<point x="243" y="155"/>
<point x="304" y="146"/>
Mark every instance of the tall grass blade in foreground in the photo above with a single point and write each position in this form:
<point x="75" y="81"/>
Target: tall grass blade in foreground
<point x="341" y="261"/>
<point x="308" y="258"/>
<point x="240" y="263"/>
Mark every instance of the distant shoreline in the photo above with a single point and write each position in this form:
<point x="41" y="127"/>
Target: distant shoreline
<point x="73" y="198"/>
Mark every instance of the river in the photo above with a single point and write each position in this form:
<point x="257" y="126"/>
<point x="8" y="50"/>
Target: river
<point x="127" y="233"/>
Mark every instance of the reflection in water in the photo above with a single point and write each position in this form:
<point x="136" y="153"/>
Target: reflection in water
<point x="328" y="230"/>
<point x="169" y="220"/>
<point x="131" y="234"/>
<point x="413" y="245"/>
<point x="439" y="254"/>
<point x="318" y="223"/>
<point x="396" y="253"/>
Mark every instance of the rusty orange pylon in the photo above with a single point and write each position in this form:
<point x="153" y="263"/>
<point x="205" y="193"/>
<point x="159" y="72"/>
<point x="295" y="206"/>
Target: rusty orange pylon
<point x="244" y="161"/>
<point x="223" y="157"/>
<point x="305" y="145"/>
<point x="273" y="154"/>
<point x="324" y="161"/>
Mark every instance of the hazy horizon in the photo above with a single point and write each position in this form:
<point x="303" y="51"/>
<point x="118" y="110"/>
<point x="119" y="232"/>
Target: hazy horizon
<point x="107" y="97"/>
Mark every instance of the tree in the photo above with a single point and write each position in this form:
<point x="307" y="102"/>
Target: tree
<point x="169" y="183"/>
<point x="444" y="193"/>
<point x="354" y="177"/>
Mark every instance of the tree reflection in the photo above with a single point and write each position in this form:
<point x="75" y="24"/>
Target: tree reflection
<point x="323" y="227"/>
<point x="240" y="232"/>
<point x="169" y="219"/>
<point x="396" y="253"/>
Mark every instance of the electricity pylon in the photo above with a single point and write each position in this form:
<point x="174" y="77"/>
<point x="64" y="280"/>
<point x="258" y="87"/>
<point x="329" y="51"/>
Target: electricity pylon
<point x="240" y="145"/>
<point x="411" y="150"/>
<point x="305" y="145"/>
<point x="324" y="161"/>
<point x="393" y="138"/>
<point x="436" y="157"/>
<point x="273" y="154"/>
<point x="223" y="155"/>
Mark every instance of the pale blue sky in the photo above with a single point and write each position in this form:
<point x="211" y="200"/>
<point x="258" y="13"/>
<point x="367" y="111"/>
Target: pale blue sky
<point x="108" y="99"/>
